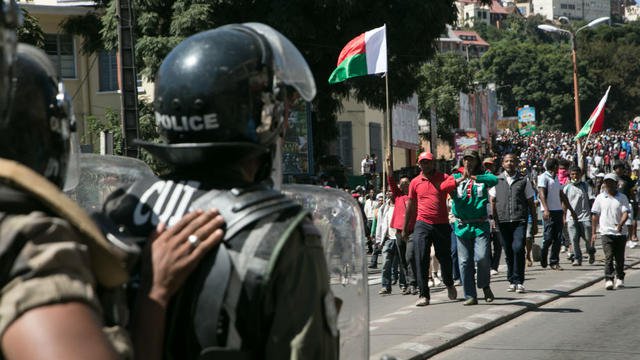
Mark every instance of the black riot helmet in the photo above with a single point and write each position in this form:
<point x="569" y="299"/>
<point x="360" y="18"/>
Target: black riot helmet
<point x="40" y="129"/>
<point x="9" y="20"/>
<point x="220" y="95"/>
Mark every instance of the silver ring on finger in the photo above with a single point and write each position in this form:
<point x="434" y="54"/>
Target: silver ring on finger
<point x="193" y="240"/>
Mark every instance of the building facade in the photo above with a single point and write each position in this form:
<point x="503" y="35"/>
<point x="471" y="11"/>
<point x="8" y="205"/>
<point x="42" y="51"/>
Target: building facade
<point x="586" y="10"/>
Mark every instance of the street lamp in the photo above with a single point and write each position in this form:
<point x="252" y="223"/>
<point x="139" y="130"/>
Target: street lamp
<point x="576" y="94"/>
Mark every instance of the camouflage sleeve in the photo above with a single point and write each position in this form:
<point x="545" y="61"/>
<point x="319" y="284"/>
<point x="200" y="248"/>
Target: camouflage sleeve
<point x="303" y="308"/>
<point x="52" y="267"/>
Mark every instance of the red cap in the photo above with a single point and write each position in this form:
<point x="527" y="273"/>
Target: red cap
<point x="425" y="156"/>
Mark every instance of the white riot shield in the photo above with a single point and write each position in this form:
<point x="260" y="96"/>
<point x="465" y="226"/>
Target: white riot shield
<point x="340" y="221"/>
<point x="100" y="175"/>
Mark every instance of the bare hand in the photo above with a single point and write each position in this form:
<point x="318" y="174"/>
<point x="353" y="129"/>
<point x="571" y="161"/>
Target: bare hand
<point x="546" y="215"/>
<point x="173" y="257"/>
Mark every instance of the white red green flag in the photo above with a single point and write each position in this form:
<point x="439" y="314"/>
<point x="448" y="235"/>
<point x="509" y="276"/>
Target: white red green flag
<point x="364" y="55"/>
<point x="596" y="120"/>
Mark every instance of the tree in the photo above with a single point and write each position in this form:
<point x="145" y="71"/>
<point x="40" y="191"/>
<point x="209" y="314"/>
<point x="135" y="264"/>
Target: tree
<point x="319" y="28"/>
<point x="30" y="31"/>
<point x="441" y="81"/>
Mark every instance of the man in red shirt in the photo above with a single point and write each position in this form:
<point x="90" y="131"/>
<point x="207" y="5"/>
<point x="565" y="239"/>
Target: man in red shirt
<point x="427" y="206"/>
<point x="405" y="245"/>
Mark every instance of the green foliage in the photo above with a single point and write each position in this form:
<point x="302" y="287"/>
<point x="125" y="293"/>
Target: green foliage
<point x="30" y="32"/>
<point x="88" y="26"/>
<point x="442" y="79"/>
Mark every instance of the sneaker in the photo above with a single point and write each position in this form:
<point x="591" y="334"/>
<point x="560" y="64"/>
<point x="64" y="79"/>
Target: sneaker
<point x="470" y="301"/>
<point x="488" y="294"/>
<point x="619" y="284"/>
<point x="511" y="288"/>
<point x="414" y="290"/>
<point x="394" y="281"/>
<point x="571" y="257"/>
<point x="543" y="263"/>
<point x="373" y="266"/>
<point x="384" y="291"/>
<point x="405" y="291"/>
<point x="452" y="293"/>
<point x="430" y="283"/>
<point x="437" y="281"/>
<point x="592" y="258"/>
<point x="520" y="288"/>
<point x="422" y="301"/>
<point x="494" y="272"/>
<point x="457" y="282"/>
<point x="608" y="285"/>
<point x="576" y="263"/>
<point x="563" y="249"/>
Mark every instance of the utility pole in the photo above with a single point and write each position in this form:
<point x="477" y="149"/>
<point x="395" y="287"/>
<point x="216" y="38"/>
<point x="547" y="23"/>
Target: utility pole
<point x="128" y="77"/>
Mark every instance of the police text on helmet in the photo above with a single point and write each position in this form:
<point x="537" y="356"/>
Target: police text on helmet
<point x="187" y="123"/>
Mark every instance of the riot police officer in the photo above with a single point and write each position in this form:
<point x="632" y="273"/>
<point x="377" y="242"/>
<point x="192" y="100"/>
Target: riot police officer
<point x="221" y="101"/>
<point x="58" y="273"/>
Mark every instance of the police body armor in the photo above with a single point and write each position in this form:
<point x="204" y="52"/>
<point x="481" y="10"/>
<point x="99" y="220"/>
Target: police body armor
<point x="202" y="319"/>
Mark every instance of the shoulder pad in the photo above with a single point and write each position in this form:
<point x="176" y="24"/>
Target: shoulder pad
<point x="241" y="207"/>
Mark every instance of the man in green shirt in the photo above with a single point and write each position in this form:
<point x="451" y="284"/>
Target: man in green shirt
<point x="472" y="225"/>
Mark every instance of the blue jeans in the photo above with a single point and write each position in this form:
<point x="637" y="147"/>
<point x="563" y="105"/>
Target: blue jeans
<point x="391" y="255"/>
<point x="513" y="236"/>
<point x="472" y="251"/>
<point x="552" y="239"/>
<point x="423" y="236"/>
<point x="455" y="265"/>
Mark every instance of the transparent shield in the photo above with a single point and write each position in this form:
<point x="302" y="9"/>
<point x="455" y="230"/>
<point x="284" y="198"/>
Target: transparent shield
<point x="72" y="179"/>
<point x="100" y="175"/>
<point x="339" y="219"/>
<point x="289" y="65"/>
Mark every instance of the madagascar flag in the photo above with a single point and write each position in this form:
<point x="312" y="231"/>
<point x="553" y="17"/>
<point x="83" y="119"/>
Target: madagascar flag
<point x="596" y="120"/>
<point x="364" y="55"/>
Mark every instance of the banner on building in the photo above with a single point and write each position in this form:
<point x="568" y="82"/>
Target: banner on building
<point x="296" y="151"/>
<point x="465" y="139"/>
<point x="465" y="112"/>
<point x="527" y="114"/>
<point x="405" y="124"/>
<point x="508" y="123"/>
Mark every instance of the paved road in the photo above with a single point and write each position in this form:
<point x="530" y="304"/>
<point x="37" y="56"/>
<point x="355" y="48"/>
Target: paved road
<point x="400" y="329"/>
<point x="590" y="324"/>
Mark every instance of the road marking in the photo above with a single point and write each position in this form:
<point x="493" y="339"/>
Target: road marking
<point x="383" y="320"/>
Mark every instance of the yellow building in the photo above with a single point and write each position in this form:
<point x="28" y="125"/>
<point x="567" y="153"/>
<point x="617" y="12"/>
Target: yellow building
<point x="360" y="132"/>
<point x="91" y="80"/>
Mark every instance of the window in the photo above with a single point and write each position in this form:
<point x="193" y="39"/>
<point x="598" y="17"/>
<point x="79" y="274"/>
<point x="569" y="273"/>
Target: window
<point x="375" y="141"/>
<point x="108" y="71"/>
<point x="345" y="144"/>
<point x="60" y="49"/>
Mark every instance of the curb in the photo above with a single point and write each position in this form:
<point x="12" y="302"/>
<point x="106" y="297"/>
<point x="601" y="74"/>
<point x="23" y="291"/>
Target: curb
<point x="432" y="343"/>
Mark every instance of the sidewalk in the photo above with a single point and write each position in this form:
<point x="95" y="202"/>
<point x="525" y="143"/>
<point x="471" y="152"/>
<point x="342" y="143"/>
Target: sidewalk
<point x="400" y="330"/>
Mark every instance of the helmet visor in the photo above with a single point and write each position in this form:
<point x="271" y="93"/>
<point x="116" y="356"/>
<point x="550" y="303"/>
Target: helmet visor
<point x="289" y="65"/>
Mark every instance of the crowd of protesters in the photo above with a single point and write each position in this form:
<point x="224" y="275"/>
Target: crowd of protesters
<point x="463" y="220"/>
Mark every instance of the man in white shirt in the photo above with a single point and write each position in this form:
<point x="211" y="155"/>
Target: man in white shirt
<point x="365" y="165"/>
<point x="610" y="212"/>
<point x="551" y="200"/>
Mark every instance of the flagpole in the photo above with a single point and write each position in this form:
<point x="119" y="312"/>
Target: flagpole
<point x="388" y="113"/>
